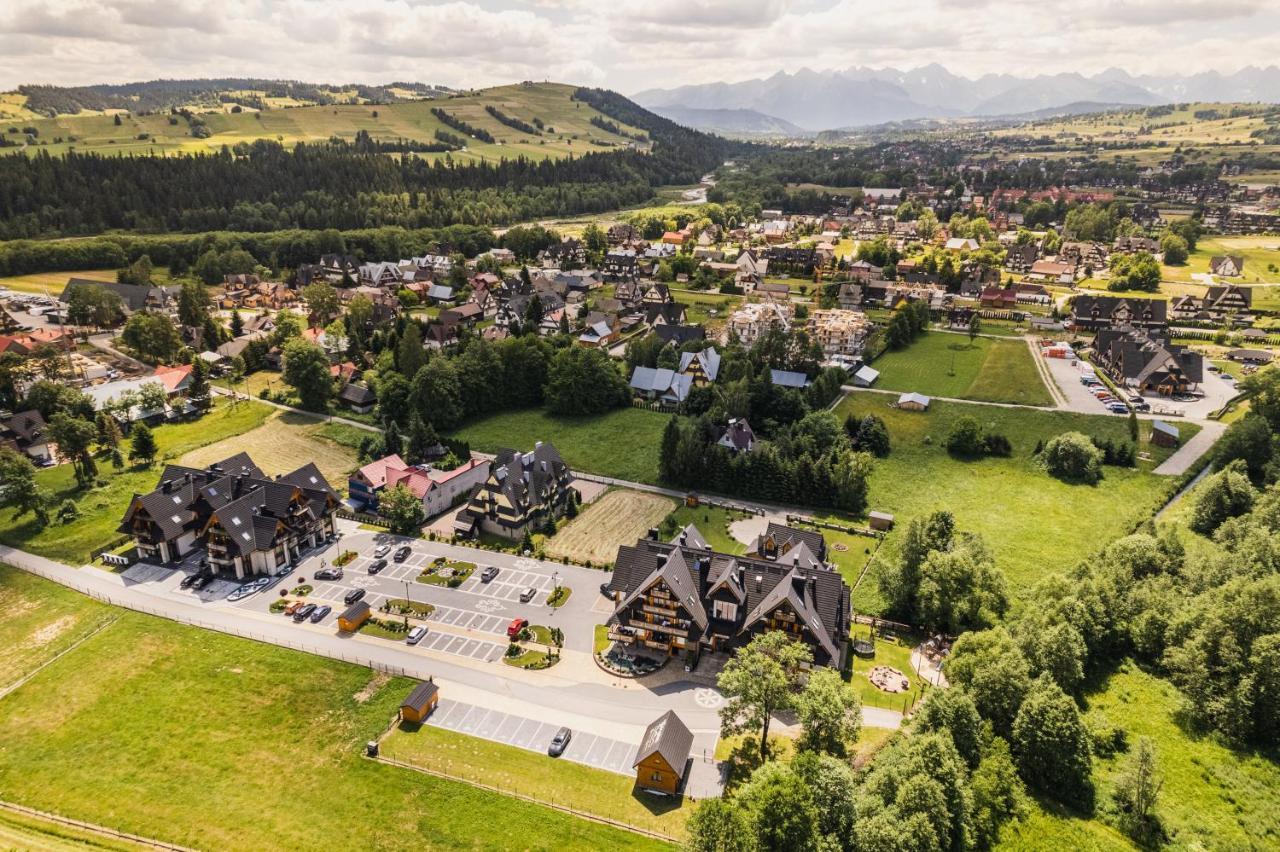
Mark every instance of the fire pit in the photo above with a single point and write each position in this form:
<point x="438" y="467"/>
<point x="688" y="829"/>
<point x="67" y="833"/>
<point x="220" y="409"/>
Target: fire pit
<point x="889" y="679"/>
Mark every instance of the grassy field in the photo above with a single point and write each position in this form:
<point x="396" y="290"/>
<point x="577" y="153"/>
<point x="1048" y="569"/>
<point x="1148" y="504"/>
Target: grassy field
<point x="52" y="283"/>
<point x="568" y="126"/>
<point x="41" y="621"/>
<point x="33" y="834"/>
<point x="619" y="517"/>
<point x="1213" y="797"/>
<point x="282" y="444"/>
<point x="561" y="782"/>
<point x="267" y="745"/>
<point x="1035" y="524"/>
<point x="622" y="443"/>
<point x="895" y="652"/>
<point x="1259" y="252"/>
<point x="102" y="507"/>
<point x="941" y="364"/>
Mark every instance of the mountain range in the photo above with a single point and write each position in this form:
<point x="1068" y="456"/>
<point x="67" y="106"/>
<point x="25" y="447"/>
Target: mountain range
<point x="859" y="96"/>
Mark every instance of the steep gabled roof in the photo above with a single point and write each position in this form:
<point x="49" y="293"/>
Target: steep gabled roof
<point x="669" y="738"/>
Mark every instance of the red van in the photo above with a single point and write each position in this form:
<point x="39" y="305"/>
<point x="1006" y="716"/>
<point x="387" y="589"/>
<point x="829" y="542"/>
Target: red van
<point x="516" y="625"/>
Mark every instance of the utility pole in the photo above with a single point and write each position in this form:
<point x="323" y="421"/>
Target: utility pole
<point x="406" y="603"/>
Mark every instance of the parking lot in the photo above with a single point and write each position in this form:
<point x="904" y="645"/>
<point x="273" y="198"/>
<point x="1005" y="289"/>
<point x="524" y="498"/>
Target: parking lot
<point x="585" y="748"/>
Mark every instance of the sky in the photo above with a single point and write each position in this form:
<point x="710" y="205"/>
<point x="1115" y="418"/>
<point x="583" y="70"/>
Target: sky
<point x="627" y="45"/>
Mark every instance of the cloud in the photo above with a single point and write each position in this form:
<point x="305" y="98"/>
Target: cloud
<point x="625" y="44"/>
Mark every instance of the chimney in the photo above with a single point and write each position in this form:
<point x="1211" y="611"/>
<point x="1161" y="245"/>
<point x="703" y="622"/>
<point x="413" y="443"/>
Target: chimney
<point x="683" y="536"/>
<point x="653" y="533"/>
<point x="759" y="581"/>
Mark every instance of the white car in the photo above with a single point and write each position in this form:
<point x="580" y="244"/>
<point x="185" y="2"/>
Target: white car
<point x="415" y="635"/>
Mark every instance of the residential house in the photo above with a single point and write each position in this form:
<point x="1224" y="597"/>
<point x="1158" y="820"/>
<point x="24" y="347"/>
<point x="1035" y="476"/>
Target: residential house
<point x="359" y="398"/>
<point x="752" y="264"/>
<point x="623" y="233"/>
<point x="620" y="265"/>
<point x="662" y="759"/>
<point x="682" y="597"/>
<point x="679" y="334"/>
<point x="793" y="258"/>
<point x="337" y="267"/>
<point x="660" y="384"/>
<point x="1228" y="266"/>
<point x="467" y="314"/>
<point x="569" y="253"/>
<point x="999" y="298"/>
<point x="602" y="330"/>
<point x="1094" y="255"/>
<point x="1097" y="312"/>
<point x="384" y="274"/>
<point x="249" y="523"/>
<point x="1147" y="362"/>
<point x="1053" y="272"/>
<point x="772" y="291"/>
<point x="779" y="542"/>
<point x="666" y="313"/>
<point x="522" y="493"/>
<point x="838" y="331"/>
<point x="702" y="367"/>
<point x="1019" y="258"/>
<point x="961" y="244"/>
<point x="1135" y="244"/>
<point x="738" y="436"/>
<point x="25" y="432"/>
<point x="850" y="296"/>
<point x="865" y="376"/>
<point x="439" y="490"/>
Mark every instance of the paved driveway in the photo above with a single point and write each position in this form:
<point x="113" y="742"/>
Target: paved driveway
<point x="589" y="749"/>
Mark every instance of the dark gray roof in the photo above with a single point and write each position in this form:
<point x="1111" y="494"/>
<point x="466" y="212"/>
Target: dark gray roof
<point x="357" y="394"/>
<point x="420" y="697"/>
<point x="669" y="737"/>
<point x="134" y="296"/>
<point x="356" y="610"/>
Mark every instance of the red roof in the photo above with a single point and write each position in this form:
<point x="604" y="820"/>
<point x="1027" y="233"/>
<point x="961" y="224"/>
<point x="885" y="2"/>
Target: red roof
<point x="14" y="344"/>
<point x="375" y="472"/>
<point x="173" y="377"/>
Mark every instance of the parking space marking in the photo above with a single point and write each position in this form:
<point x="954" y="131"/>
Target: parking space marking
<point x="530" y="734"/>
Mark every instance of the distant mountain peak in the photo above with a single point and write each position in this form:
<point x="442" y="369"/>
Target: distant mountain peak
<point x="859" y="96"/>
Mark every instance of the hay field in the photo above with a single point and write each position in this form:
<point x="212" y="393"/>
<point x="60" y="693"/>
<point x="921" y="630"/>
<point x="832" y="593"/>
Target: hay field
<point x="284" y="443"/>
<point x="619" y="517"/>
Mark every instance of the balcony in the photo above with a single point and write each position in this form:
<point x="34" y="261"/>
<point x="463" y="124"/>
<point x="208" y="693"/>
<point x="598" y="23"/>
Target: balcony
<point x="663" y="611"/>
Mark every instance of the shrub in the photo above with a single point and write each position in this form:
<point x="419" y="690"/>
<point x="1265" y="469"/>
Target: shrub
<point x="1072" y="456"/>
<point x="513" y="650"/>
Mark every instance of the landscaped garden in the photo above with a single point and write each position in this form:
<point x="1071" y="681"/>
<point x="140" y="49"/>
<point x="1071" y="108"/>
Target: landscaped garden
<point x="101" y="734"/>
<point x="101" y="507"/>
<point x="951" y="365"/>
<point x="443" y="572"/>
<point x="1035" y="524"/>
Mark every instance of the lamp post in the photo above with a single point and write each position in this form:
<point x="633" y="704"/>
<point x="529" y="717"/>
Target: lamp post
<point x="406" y="603"/>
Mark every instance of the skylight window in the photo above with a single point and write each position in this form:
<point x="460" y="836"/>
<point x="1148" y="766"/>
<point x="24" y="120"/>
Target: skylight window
<point x="244" y="535"/>
<point x="177" y="519"/>
<point x="315" y="481"/>
<point x="235" y="521"/>
<point x="213" y="491"/>
<point x="177" y="499"/>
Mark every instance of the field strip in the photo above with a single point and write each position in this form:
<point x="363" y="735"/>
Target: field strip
<point x="92" y="827"/>
<point x="17" y="684"/>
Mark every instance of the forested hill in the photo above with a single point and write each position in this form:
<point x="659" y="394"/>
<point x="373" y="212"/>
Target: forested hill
<point x="153" y="95"/>
<point x="264" y="186"/>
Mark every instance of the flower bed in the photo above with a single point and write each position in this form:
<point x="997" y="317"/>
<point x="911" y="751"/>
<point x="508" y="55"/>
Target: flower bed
<point x="446" y="573"/>
<point x="344" y="558"/>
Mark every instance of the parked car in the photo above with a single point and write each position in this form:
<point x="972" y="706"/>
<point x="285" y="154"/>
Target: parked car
<point x="415" y="635"/>
<point x="202" y="581"/>
<point x="402" y="553"/>
<point x="285" y="571"/>
<point x="304" y="613"/>
<point x="516" y="625"/>
<point x="1118" y="408"/>
<point x="329" y="574"/>
<point x="1136" y="398"/>
<point x="319" y="614"/>
<point x="605" y="590"/>
<point x="1142" y="406"/>
<point x="560" y="742"/>
<point x="488" y="574"/>
<point x="353" y="596"/>
<point x="190" y="580"/>
<point x="381" y="551"/>
<point x="292" y="609"/>
<point x="528" y="594"/>
<point x="377" y="566"/>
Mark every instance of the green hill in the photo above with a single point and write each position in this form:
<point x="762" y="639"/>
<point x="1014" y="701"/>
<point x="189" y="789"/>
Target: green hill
<point x="561" y="126"/>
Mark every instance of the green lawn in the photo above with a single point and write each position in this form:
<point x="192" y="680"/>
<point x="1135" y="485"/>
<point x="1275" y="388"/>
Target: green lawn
<point x="622" y="443"/>
<point x="713" y="522"/>
<point x="41" y="621"/>
<point x="21" y="831"/>
<point x="1259" y="253"/>
<point x="102" y="507"/>
<point x="563" y="782"/>
<point x="1035" y="524"/>
<point x="950" y="365"/>
<point x="215" y="742"/>
<point x="895" y="652"/>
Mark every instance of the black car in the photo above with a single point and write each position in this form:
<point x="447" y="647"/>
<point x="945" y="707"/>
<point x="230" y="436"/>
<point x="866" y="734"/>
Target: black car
<point x="377" y="566"/>
<point x="190" y="580"/>
<point x="488" y="574"/>
<point x="319" y="614"/>
<point x="560" y="742"/>
<point x="205" y="579"/>
<point x="304" y="613"/>
<point x="353" y="596"/>
<point x="605" y="590"/>
<point x="402" y="553"/>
